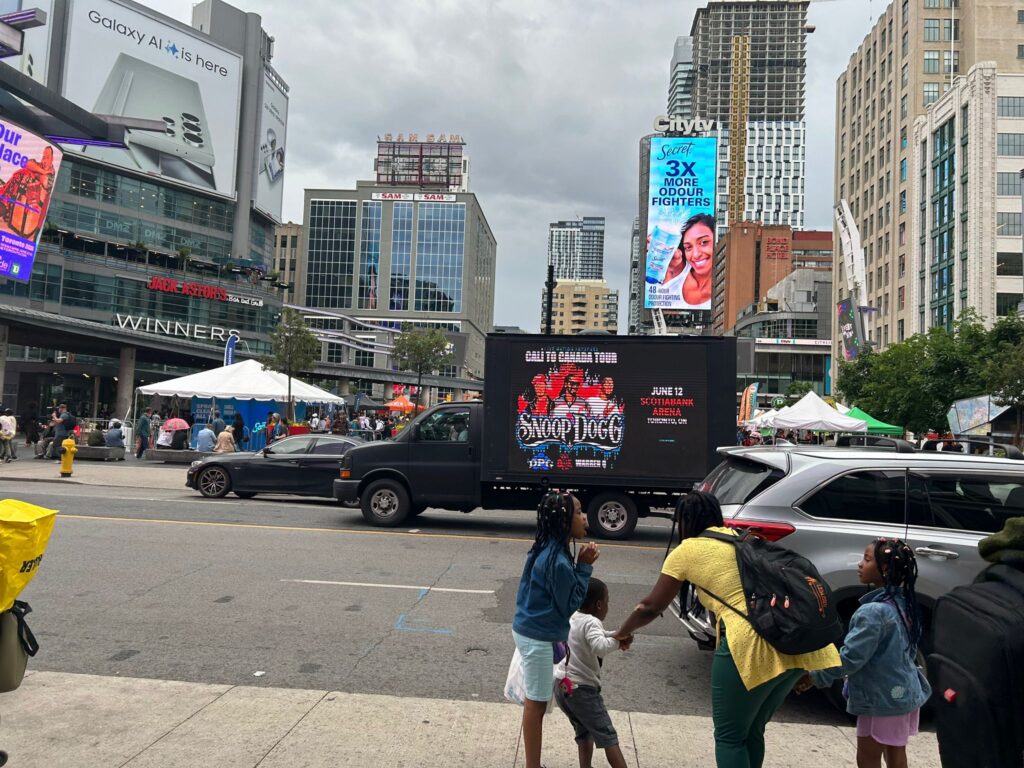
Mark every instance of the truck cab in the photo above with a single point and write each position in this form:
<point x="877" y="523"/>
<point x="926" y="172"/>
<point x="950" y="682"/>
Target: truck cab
<point x="433" y="462"/>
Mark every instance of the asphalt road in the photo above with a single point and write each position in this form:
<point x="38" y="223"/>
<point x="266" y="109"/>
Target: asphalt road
<point x="302" y="593"/>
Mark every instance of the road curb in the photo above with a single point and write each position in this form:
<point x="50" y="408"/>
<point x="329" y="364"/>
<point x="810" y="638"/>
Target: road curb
<point x="64" y="480"/>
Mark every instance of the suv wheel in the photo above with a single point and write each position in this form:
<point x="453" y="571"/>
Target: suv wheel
<point x="612" y="515"/>
<point x="385" y="503"/>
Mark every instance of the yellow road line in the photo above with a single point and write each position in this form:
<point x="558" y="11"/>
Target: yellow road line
<point x="355" y="531"/>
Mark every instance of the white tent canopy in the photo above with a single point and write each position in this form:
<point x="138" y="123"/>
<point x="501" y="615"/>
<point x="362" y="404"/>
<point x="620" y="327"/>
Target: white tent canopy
<point x="811" y="412"/>
<point x="246" y="380"/>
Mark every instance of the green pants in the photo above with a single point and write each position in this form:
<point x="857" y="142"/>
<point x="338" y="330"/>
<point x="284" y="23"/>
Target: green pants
<point x="741" y="715"/>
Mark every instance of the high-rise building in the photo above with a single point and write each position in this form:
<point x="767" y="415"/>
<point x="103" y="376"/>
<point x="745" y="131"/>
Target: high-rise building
<point x="636" y="281"/>
<point x="406" y="249"/>
<point x="749" y="64"/>
<point x="966" y="169"/>
<point x="752" y="258"/>
<point x="680" y="79"/>
<point x="584" y="305"/>
<point x="288" y="263"/>
<point x="905" y="64"/>
<point x="576" y="248"/>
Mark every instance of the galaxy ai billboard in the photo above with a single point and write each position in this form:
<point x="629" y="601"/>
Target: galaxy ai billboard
<point x="123" y="62"/>
<point x="28" y="168"/>
<point x="681" y="223"/>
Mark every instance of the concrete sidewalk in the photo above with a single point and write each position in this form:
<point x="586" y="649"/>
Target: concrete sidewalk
<point x="130" y="473"/>
<point x="58" y="719"/>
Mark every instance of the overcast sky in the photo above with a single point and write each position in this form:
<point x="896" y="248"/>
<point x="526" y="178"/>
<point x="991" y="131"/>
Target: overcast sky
<point x="551" y="96"/>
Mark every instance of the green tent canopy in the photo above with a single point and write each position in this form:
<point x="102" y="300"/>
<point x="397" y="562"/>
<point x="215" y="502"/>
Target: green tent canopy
<point x="875" y="427"/>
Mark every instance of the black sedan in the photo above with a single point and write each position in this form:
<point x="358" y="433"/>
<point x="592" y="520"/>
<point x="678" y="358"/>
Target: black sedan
<point x="304" y="464"/>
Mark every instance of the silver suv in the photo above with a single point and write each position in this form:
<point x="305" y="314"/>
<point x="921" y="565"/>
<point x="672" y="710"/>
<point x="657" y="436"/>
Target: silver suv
<point x="828" y="503"/>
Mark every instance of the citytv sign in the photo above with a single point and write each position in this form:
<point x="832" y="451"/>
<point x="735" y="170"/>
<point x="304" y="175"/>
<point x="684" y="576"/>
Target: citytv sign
<point x="687" y="126"/>
<point x="195" y="331"/>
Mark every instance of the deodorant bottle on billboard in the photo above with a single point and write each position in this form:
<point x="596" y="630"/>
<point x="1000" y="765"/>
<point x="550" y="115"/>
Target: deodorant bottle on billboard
<point x="659" y="254"/>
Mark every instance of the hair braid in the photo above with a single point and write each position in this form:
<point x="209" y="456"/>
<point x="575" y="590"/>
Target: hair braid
<point x="554" y="520"/>
<point x="898" y="566"/>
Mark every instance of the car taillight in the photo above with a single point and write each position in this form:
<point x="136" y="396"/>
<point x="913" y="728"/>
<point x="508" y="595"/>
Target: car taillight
<point x="768" y="531"/>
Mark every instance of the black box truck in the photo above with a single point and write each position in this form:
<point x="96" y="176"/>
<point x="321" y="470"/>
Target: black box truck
<point x="627" y="423"/>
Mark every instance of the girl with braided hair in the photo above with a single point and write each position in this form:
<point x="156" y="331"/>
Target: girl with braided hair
<point x="885" y="688"/>
<point x="551" y="589"/>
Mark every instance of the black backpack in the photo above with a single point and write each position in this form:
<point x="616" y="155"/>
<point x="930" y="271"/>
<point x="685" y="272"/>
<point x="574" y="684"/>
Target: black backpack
<point x="788" y="603"/>
<point x="976" y="669"/>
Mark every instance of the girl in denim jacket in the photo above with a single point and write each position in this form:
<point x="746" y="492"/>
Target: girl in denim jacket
<point x="885" y="688"/>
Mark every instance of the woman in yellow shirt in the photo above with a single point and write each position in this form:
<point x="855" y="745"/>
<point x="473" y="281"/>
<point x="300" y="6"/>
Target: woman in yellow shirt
<point x="749" y="678"/>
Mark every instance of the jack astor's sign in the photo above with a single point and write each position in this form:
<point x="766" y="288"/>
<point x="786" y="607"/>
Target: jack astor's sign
<point x="215" y="292"/>
<point x="196" y="331"/>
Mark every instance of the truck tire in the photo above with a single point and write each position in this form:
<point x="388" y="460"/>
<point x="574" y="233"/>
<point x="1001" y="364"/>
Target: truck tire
<point x="385" y="503"/>
<point x="612" y="516"/>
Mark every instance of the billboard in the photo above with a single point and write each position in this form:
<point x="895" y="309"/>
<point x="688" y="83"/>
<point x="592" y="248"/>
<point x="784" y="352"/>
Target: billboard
<point x="35" y="46"/>
<point x="272" y="137"/>
<point x="28" y="166"/>
<point x="594" y="410"/>
<point x="848" y="323"/>
<point x="123" y="62"/>
<point x="681" y="223"/>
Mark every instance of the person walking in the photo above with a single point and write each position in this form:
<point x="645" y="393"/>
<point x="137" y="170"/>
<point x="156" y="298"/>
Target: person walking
<point x="218" y="424"/>
<point x="551" y="588"/>
<point x="8" y="427"/>
<point x="749" y="678"/>
<point x="238" y="432"/>
<point x="280" y="427"/>
<point x="143" y="430"/>
<point x="886" y="689"/>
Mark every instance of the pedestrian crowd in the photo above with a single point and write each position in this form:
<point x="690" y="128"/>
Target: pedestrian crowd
<point x="560" y="608"/>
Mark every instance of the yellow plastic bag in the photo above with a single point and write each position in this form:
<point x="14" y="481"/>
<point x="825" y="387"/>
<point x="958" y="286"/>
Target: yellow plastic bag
<point x="24" y="532"/>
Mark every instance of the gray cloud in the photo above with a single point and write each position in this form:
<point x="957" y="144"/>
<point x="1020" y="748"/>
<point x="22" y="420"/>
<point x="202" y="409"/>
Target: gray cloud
<point x="551" y="97"/>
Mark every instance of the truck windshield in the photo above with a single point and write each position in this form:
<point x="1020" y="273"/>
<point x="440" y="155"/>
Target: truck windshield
<point x="737" y="481"/>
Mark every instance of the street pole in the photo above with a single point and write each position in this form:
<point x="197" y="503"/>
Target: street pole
<point x="551" y="297"/>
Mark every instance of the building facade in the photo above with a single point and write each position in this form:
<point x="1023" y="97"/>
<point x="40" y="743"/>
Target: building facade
<point x="387" y="255"/>
<point x="288" y="264"/>
<point x="910" y="58"/>
<point x="576" y="248"/>
<point x="680" y="79"/>
<point x="583" y="305"/>
<point x="752" y="258"/>
<point x="965" y="219"/>
<point x="749" y="62"/>
<point x="148" y="262"/>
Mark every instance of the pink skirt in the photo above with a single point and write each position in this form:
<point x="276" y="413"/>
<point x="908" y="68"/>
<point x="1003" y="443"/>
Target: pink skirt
<point x="894" y="731"/>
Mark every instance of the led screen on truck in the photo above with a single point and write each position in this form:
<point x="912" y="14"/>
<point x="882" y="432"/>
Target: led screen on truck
<point x="610" y="408"/>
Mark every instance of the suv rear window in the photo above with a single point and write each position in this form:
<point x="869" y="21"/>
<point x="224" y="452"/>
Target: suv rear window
<point x="737" y="481"/>
<point x="876" y="496"/>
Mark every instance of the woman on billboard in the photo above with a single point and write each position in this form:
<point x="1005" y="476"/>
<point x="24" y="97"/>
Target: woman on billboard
<point x="689" y="272"/>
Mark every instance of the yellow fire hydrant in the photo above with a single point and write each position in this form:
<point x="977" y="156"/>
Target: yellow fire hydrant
<point x="68" y="449"/>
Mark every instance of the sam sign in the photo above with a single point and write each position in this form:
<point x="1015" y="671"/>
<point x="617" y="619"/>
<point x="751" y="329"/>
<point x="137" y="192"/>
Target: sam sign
<point x="681" y="223"/>
<point x="29" y="164"/>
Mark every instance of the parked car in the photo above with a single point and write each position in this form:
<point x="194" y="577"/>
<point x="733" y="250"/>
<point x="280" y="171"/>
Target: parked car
<point x="304" y="464"/>
<point x="827" y="503"/>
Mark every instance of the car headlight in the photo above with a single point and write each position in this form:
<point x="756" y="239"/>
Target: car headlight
<point x="195" y="464"/>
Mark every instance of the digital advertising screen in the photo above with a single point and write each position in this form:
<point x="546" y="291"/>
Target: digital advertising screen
<point x="273" y="138"/>
<point x="849" y="328"/>
<point x="28" y="170"/>
<point x="123" y="62"/>
<point x="681" y="223"/>
<point x="623" y="408"/>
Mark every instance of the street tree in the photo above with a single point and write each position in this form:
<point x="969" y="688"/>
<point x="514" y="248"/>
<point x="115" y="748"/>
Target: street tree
<point x="798" y="389"/>
<point x="420" y="352"/>
<point x="294" y="350"/>
<point x="1005" y="378"/>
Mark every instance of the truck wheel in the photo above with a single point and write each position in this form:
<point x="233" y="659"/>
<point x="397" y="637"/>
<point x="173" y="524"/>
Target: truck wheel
<point x="612" y="516"/>
<point x="386" y="503"/>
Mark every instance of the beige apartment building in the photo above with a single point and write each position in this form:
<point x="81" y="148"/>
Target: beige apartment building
<point x="288" y="260"/>
<point x="907" y="62"/>
<point x="583" y="305"/>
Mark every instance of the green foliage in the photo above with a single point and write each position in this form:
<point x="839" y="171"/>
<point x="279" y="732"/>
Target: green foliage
<point x="798" y="389"/>
<point x="913" y="383"/>
<point x="294" y="349"/>
<point x="421" y="351"/>
<point x="1005" y="375"/>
